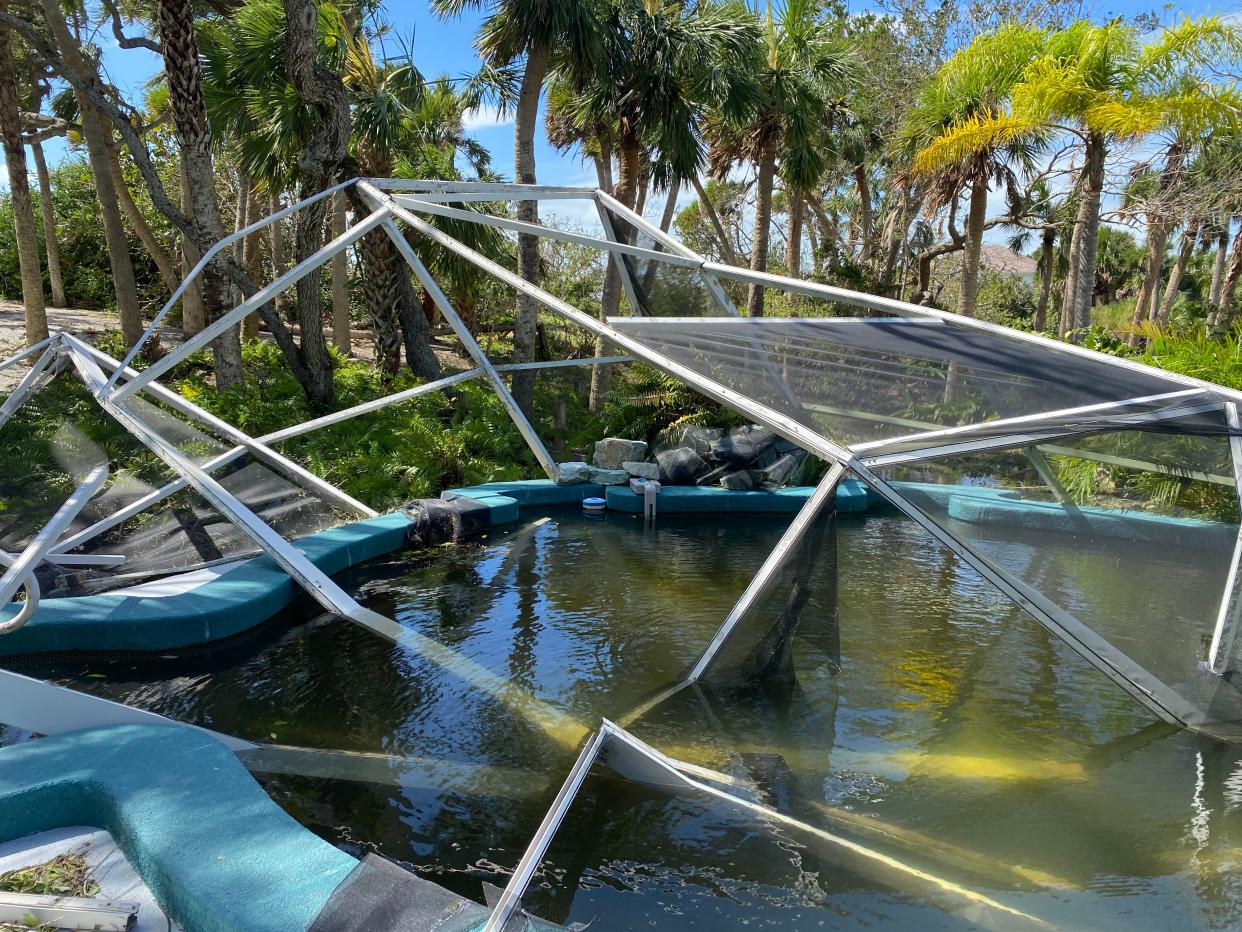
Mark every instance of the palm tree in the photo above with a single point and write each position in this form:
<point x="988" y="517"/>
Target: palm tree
<point x="540" y="32"/>
<point x="1040" y="212"/>
<point x="96" y="133"/>
<point x="19" y="192"/>
<point x="800" y="77"/>
<point x="963" y="138"/>
<point x="1100" y="82"/>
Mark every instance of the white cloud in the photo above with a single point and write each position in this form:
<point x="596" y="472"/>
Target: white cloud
<point x="484" y="116"/>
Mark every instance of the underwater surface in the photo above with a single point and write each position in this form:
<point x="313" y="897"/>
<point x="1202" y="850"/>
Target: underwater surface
<point x="961" y="768"/>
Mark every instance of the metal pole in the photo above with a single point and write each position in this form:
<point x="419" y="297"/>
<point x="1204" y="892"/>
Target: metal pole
<point x="1228" y="617"/>
<point x="256" y="448"/>
<point x="622" y="268"/>
<point x="785" y="426"/>
<point x="32" y="556"/>
<point x="529" y="434"/>
<point x="255" y="301"/>
<point x="29" y="351"/>
<point x="211" y="253"/>
<point x="26" y="387"/>
<point x="152" y="498"/>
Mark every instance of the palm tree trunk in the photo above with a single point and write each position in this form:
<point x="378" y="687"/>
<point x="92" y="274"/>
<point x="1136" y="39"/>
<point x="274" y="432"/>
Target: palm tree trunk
<point x="121" y="266"/>
<point x="526" y="313"/>
<point x="137" y="222"/>
<point x="706" y="205"/>
<point x="183" y="70"/>
<point x="1228" y="291"/>
<point x="763" y="223"/>
<point x="972" y="253"/>
<point x="1048" y="265"/>
<point x="19" y="192"/>
<point x="252" y="256"/>
<point x="1157" y="239"/>
<point x="381" y="293"/>
<point x="666" y="223"/>
<point x="193" y="313"/>
<point x="865" y="212"/>
<point x="50" y="245"/>
<point x="1088" y="224"/>
<point x="280" y="261"/>
<point x="1190" y="239"/>
<point x="1219" y="264"/>
<point x="340" y="280"/>
<point x="793" y="242"/>
<point x="415" y="327"/>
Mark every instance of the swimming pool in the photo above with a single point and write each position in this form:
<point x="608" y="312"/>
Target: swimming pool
<point x="960" y="740"/>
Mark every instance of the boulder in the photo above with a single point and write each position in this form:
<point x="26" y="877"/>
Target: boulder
<point x="681" y="466"/>
<point x="742" y="479"/>
<point x="743" y="445"/>
<point x="611" y="452"/>
<point x="642" y="470"/>
<point x="572" y="473"/>
<point x="608" y="476"/>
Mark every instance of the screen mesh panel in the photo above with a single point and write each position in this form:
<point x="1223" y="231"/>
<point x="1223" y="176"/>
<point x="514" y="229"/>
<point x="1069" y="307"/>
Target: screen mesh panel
<point x="1136" y="551"/>
<point x="854" y="379"/>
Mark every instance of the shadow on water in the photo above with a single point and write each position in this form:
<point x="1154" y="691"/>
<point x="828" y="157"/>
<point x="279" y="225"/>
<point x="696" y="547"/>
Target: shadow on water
<point x="956" y="735"/>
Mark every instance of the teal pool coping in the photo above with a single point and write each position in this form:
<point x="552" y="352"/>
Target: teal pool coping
<point x="248" y="594"/>
<point x="218" y="854"/>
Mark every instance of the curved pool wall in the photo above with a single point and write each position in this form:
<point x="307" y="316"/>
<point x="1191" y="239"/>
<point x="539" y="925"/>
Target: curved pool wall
<point x="201" y="607"/>
<point x="215" y="850"/>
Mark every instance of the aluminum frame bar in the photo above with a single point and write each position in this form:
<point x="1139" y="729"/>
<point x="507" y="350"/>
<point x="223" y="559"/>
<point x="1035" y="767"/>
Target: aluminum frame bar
<point x="212" y="253"/>
<point x="256" y="447"/>
<point x="122" y="515"/>
<point x="604" y="199"/>
<point x="1036" y="436"/>
<point x="251" y="304"/>
<point x="538" y="229"/>
<point x="28" y="385"/>
<point x="28" y="351"/>
<point x="622" y="269"/>
<point x="874" y="447"/>
<point x="1229" y="615"/>
<point x="1134" y="679"/>
<point x="528" y="432"/>
<point x="508" y="190"/>
<point x="22" y="567"/>
<point x="783" y="425"/>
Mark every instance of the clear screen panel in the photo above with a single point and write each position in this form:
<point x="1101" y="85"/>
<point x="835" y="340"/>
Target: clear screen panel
<point x="855" y="379"/>
<point x="1129" y="533"/>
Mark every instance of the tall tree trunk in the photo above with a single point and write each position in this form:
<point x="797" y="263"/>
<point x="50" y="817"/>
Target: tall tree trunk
<point x="705" y="204"/>
<point x="50" y="244"/>
<point x="381" y="292"/>
<point x="972" y="253"/>
<point x="894" y="236"/>
<point x="1088" y="225"/>
<point x="165" y="263"/>
<point x="415" y="327"/>
<point x="1048" y="261"/>
<point x="610" y="298"/>
<point x="19" y="192"/>
<point x="184" y="74"/>
<point x="122" y="268"/>
<point x="1229" y="290"/>
<point x="1190" y="239"/>
<point x="340" y="280"/>
<point x="252" y="258"/>
<point x="193" y="312"/>
<point x="1144" y="304"/>
<point x="280" y="261"/>
<point x="526" y="311"/>
<point x="763" y="223"/>
<point x="865" y="212"/>
<point x="1219" y="263"/>
<point x="666" y="223"/>
<point x="322" y="89"/>
<point x="793" y="242"/>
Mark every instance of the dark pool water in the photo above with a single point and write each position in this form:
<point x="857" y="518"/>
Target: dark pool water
<point x="970" y="771"/>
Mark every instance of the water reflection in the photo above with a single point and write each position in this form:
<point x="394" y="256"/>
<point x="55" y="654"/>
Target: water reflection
<point x="958" y="735"/>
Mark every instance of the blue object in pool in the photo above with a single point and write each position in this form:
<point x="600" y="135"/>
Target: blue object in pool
<point x="594" y="506"/>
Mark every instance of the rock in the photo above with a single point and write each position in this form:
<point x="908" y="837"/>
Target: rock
<point x="743" y="445"/>
<point x="608" y="476"/>
<point x="680" y="466"/>
<point x="642" y="470"/>
<point x="611" y="452"/>
<point x="572" y="473"/>
<point x="700" y="439"/>
<point x="742" y="479"/>
<point x="782" y="470"/>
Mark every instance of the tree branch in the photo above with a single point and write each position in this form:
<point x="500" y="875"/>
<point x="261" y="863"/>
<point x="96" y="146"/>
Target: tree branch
<point x="124" y="41"/>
